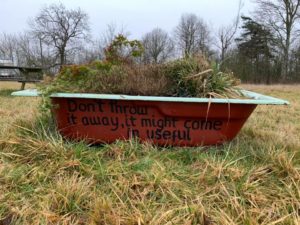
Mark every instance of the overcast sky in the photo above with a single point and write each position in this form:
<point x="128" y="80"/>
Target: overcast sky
<point x="137" y="16"/>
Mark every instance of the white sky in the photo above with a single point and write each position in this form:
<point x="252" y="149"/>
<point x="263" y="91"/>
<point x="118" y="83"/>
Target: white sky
<point x="137" y="16"/>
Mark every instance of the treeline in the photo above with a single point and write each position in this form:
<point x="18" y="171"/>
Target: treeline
<point x="259" y="48"/>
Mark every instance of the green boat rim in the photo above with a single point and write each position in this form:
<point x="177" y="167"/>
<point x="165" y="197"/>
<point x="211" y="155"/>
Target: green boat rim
<point x="253" y="98"/>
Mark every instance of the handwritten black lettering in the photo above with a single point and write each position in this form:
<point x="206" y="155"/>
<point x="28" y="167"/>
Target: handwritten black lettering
<point x="217" y="125"/>
<point x="131" y="133"/>
<point x="135" y="120"/>
<point x="176" y="135"/>
<point x="72" y="119"/>
<point x="127" y="109"/>
<point x="203" y="124"/>
<point x="74" y="106"/>
<point x="113" y="122"/>
<point x="160" y="123"/>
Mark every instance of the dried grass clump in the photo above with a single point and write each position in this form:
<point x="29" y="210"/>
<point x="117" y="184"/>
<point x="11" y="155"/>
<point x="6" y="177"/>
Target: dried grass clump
<point x="190" y="77"/>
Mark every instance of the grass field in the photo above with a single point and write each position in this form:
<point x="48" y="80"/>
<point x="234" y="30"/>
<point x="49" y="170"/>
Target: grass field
<point x="253" y="180"/>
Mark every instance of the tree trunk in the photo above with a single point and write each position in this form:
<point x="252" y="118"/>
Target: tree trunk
<point x="41" y="52"/>
<point x="62" y="58"/>
<point x="222" y="54"/>
<point x="286" y="58"/>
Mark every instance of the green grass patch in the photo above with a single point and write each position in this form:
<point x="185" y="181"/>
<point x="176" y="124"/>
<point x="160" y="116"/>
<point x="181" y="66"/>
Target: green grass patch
<point x="6" y="92"/>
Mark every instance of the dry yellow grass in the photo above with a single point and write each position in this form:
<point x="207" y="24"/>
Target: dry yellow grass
<point x="253" y="180"/>
<point x="12" y="109"/>
<point x="279" y="124"/>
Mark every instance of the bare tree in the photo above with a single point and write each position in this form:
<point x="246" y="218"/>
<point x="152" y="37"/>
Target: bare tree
<point x="17" y="48"/>
<point x="226" y="34"/>
<point x="25" y="50"/>
<point x="281" y="16"/>
<point x="158" y="46"/>
<point x="87" y="53"/>
<point x="109" y="34"/>
<point x="60" y="27"/>
<point x="8" y="47"/>
<point x="192" y="35"/>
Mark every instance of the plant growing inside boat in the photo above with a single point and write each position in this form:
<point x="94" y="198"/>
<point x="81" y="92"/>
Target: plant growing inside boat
<point x="120" y="73"/>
